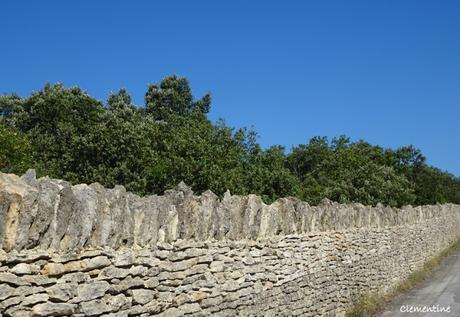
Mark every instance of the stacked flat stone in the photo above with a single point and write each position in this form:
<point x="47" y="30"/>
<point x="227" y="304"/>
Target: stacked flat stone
<point x="85" y="250"/>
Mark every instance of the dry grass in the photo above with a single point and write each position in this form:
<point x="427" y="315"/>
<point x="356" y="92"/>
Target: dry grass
<point x="370" y="305"/>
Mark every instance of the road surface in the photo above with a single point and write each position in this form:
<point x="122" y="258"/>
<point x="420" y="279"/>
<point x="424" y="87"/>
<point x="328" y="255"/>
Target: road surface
<point x="439" y="294"/>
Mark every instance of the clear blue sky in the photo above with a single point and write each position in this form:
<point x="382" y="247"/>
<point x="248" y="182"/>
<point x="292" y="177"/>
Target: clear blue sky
<point x="384" y="71"/>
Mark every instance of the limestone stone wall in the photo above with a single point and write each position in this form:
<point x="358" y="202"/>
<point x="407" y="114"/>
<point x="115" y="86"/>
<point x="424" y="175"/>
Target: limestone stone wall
<point x="85" y="250"/>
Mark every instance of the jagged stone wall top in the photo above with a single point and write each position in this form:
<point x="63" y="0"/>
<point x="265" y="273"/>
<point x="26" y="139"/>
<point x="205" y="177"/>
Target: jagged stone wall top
<point x="52" y="214"/>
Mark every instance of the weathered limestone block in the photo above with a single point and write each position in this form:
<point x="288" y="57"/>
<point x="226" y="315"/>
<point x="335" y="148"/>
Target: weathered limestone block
<point x="11" y="302"/>
<point x="62" y="292"/>
<point x="5" y="291"/>
<point x="142" y="296"/>
<point x="49" y="213"/>
<point x="25" y="268"/>
<point x="11" y="279"/>
<point x="53" y="309"/>
<point x="113" y="272"/>
<point x="53" y="269"/>
<point x="90" y="291"/>
<point x="126" y="284"/>
<point x="34" y="299"/>
<point x="98" y="262"/>
<point x="85" y="250"/>
<point x="15" y="196"/>
<point x="125" y="258"/>
<point x="94" y="307"/>
<point x="315" y="274"/>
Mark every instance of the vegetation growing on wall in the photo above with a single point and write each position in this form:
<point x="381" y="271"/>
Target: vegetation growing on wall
<point x="65" y="133"/>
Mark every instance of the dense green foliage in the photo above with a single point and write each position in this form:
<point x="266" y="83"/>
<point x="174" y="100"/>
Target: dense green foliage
<point x="65" y="133"/>
<point x="15" y="151"/>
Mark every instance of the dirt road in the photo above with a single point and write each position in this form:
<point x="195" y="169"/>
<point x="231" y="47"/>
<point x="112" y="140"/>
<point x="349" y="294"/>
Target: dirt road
<point x="437" y="296"/>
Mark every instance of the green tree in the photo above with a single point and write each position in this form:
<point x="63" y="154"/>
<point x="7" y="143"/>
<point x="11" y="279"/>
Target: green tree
<point x="65" y="133"/>
<point x="267" y="174"/>
<point x="173" y="96"/>
<point x="348" y="172"/>
<point x="58" y="121"/>
<point x="15" y="151"/>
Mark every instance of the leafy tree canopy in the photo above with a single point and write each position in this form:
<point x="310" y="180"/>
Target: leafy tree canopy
<point x="65" y="133"/>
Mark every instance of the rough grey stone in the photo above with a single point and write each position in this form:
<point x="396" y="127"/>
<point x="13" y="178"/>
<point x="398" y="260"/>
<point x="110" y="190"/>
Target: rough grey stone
<point x="24" y="268"/>
<point x="27" y="290"/>
<point x="18" y="311"/>
<point x="188" y="308"/>
<point x="93" y="290"/>
<point x="12" y="301"/>
<point x="62" y="292"/>
<point x="76" y="277"/>
<point x="53" y="269"/>
<point x="127" y="283"/>
<point x="97" y="262"/>
<point x="66" y="217"/>
<point x="120" y="302"/>
<point x="94" y="307"/>
<point x="107" y="251"/>
<point x="5" y="291"/>
<point x="53" y="309"/>
<point x="151" y="282"/>
<point x="126" y="258"/>
<point x="142" y="296"/>
<point x="113" y="272"/>
<point x="34" y="299"/>
<point x="40" y="280"/>
<point x="9" y="278"/>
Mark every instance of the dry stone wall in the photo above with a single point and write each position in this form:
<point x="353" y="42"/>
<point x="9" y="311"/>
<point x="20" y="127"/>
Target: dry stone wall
<point x="85" y="250"/>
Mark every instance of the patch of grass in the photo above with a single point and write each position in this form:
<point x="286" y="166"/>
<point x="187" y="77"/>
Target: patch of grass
<point x="370" y="305"/>
<point x="366" y="306"/>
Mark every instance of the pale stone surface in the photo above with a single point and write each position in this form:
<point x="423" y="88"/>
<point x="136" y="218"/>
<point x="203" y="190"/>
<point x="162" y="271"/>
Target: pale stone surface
<point x="62" y="292"/>
<point x="53" y="269"/>
<point x="94" y="307"/>
<point x="10" y="278"/>
<point x="97" y="262"/>
<point x="50" y="213"/>
<point x="34" y="299"/>
<point x="53" y="309"/>
<point x="93" y="290"/>
<point x="125" y="258"/>
<point x="151" y="282"/>
<point x="24" y="268"/>
<point x="13" y="301"/>
<point x="315" y="274"/>
<point x="86" y="251"/>
<point x="5" y="291"/>
<point x="142" y="296"/>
